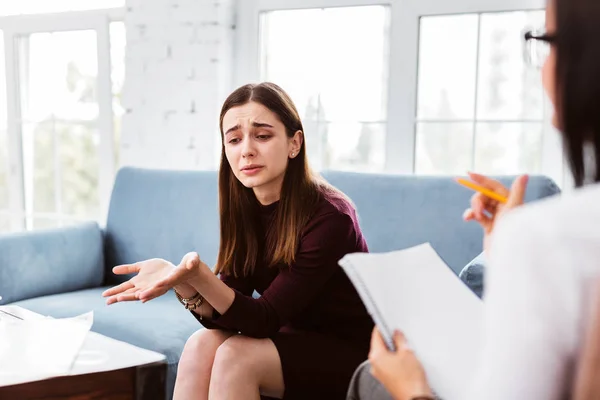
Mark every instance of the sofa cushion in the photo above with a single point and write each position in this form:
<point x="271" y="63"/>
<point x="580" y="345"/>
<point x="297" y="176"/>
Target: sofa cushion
<point x="161" y="325"/>
<point x="44" y="262"/>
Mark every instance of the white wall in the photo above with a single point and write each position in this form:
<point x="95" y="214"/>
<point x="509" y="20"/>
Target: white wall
<point x="178" y="72"/>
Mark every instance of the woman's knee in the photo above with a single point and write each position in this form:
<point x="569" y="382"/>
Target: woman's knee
<point x="200" y="349"/>
<point x="235" y="353"/>
<point x="205" y="340"/>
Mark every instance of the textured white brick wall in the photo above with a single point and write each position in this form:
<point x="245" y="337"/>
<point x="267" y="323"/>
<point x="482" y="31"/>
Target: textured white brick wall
<point x="178" y="73"/>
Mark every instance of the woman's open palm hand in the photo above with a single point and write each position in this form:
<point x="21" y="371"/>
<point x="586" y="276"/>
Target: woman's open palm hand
<point x="148" y="273"/>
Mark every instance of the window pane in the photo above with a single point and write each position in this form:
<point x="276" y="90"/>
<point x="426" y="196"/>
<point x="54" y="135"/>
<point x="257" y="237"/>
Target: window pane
<point x="289" y="56"/>
<point x="354" y="67"/>
<point x="8" y="7"/>
<point x="447" y="67"/>
<point x="39" y="166"/>
<point x="444" y="148"/>
<point x="345" y="69"/>
<point x="508" y="87"/>
<point x="59" y="76"/>
<point x="79" y="169"/>
<point x="4" y="201"/>
<point x="353" y="146"/>
<point x="3" y="171"/>
<point x="4" y="222"/>
<point x="3" y="105"/>
<point x="61" y="168"/>
<point x="336" y="77"/>
<point x="508" y="148"/>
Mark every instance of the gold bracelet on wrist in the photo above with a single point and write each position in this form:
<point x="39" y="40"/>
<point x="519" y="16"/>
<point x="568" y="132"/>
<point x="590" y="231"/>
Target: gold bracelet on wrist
<point x="190" y="303"/>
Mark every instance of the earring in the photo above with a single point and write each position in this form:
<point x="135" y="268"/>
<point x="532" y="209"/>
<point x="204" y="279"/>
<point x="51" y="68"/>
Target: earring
<point x="293" y="154"/>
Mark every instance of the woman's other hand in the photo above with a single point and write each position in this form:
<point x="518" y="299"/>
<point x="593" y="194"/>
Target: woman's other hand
<point x="147" y="274"/>
<point x="400" y="373"/>
<point x="190" y="267"/>
<point x="486" y="211"/>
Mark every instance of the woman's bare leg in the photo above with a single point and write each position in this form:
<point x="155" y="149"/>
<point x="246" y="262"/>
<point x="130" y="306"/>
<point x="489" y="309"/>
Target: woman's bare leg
<point x="196" y="364"/>
<point x="245" y="368"/>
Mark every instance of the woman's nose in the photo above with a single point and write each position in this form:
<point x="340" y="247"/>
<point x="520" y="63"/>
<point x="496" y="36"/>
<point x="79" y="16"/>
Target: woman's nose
<point x="248" y="149"/>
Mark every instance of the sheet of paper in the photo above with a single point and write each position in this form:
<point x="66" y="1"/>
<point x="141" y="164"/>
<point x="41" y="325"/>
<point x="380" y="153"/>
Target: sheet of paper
<point x="39" y="348"/>
<point x="415" y="292"/>
<point x="100" y="353"/>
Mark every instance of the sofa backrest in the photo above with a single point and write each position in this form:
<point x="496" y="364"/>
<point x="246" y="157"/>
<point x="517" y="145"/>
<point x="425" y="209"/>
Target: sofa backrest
<point x="397" y="212"/>
<point x="163" y="214"/>
<point x="157" y="213"/>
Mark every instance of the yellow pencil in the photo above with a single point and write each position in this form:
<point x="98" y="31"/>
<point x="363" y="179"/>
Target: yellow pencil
<point x="482" y="190"/>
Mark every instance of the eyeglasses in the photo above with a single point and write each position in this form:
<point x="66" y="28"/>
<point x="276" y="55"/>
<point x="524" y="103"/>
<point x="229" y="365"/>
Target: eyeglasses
<point x="537" y="47"/>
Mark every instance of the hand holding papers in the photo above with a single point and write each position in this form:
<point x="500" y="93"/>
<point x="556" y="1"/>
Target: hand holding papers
<point x="414" y="291"/>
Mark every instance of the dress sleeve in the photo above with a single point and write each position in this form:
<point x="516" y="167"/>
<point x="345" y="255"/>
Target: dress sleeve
<point x="243" y="286"/>
<point x="529" y="316"/>
<point x="324" y="242"/>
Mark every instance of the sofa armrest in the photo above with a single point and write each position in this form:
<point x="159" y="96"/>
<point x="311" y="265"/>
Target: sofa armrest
<point x="40" y="263"/>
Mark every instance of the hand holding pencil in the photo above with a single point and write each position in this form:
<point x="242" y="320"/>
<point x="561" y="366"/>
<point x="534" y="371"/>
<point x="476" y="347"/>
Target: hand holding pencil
<point x="492" y="200"/>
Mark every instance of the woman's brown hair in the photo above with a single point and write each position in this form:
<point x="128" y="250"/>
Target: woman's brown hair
<point x="239" y="209"/>
<point x="578" y="85"/>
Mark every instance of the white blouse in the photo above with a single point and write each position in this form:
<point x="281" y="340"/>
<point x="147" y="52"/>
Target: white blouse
<point x="543" y="264"/>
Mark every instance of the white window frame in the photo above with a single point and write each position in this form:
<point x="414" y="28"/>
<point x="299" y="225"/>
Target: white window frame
<point x="403" y="68"/>
<point x="14" y="26"/>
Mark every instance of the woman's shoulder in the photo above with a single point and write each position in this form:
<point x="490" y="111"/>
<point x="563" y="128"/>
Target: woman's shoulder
<point x="560" y="225"/>
<point x="333" y="212"/>
<point x="336" y="205"/>
<point x="334" y="221"/>
<point x="558" y="215"/>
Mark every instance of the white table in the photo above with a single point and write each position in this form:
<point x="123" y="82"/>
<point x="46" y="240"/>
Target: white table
<point x="119" y="369"/>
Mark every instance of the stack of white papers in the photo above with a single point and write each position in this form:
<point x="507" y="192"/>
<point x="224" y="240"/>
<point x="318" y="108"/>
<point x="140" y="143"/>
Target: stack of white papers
<point x="414" y="291"/>
<point x="39" y="348"/>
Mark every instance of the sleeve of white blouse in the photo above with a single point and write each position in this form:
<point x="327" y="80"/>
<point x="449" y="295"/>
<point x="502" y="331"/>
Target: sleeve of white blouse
<point x="528" y="317"/>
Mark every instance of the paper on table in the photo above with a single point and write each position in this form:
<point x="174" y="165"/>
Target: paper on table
<point x="414" y="291"/>
<point x="40" y="348"/>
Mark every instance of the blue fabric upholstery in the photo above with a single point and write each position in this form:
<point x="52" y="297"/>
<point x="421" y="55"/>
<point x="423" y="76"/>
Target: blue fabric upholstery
<point x="163" y="214"/>
<point x="169" y="213"/>
<point x="46" y="262"/>
<point x="397" y="212"/>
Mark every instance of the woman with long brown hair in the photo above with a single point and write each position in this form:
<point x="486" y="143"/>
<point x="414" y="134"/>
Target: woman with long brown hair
<point x="283" y="230"/>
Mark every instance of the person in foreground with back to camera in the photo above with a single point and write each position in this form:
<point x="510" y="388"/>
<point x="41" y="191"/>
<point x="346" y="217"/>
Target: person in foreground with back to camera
<point x="544" y="258"/>
<point x="283" y="231"/>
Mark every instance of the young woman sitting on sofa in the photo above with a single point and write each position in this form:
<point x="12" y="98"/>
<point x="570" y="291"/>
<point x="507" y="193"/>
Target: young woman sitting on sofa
<point x="545" y="257"/>
<point x="283" y="230"/>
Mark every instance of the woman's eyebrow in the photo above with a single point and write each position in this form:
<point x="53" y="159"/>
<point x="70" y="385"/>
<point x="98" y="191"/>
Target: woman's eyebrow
<point x="261" y="125"/>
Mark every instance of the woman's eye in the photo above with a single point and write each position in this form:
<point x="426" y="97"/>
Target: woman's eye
<point x="263" y="137"/>
<point x="234" y="140"/>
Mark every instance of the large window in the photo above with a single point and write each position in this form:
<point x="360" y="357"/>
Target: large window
<point x="62" y="137"/>
<point x="334" y="64"/>
<point x="412" y="86"/>
<point x="59" y="125"/>
<point x="480" y="107"/>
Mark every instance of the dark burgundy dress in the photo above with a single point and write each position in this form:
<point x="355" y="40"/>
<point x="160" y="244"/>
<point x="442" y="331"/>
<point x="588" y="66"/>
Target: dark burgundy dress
<point x="310" y="311"/>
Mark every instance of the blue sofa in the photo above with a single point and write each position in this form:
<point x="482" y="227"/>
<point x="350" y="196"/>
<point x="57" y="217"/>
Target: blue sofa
<point x="166" y="214"/>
